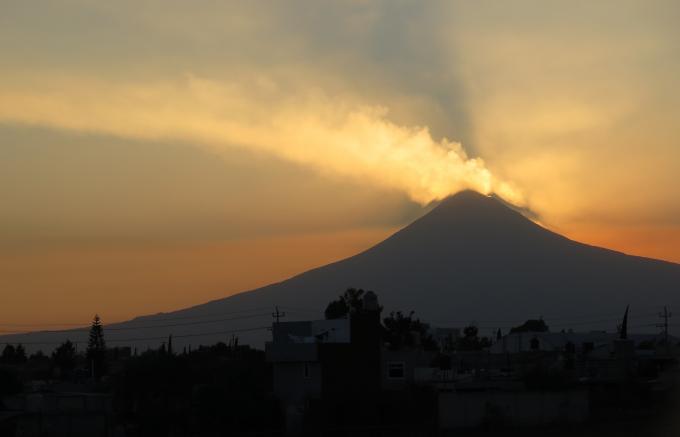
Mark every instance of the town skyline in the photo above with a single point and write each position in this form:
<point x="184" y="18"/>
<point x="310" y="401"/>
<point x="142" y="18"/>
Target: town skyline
<point x="339" y="218"/>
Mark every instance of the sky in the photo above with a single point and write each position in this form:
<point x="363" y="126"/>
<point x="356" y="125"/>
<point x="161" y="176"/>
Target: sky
<point x="159" y="154"/>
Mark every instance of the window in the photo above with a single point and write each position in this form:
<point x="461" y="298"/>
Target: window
<point x="535" y="344"/>
<point x="308" y="373"/>
<point x="396" y="370"/>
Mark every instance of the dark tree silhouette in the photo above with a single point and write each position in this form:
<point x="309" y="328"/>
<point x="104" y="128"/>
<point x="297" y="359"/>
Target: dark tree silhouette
<point x="96" y="348"/>
<point x="38" y="356"/>
<point x="404" y="331"/>
<point x="8" y="354"/>
<point x="20" y="354"/>
<point x="350" y="300"/>
<point x="470" y="341"/>
<point x="64" y="358"/>
<point x="531" y="325"/>
<point x="213" y="390"/>
<point x="13" y="355"/>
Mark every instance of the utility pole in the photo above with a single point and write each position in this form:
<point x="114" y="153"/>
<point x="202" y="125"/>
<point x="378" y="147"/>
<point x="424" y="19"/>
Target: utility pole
<point x="278" y="314"/>
<point x="665" y="316"/>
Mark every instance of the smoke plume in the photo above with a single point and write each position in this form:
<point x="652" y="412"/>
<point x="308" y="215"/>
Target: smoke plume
<point x="336" y="135"/>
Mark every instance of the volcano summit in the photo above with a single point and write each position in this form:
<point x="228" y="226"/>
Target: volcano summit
<point x="470" y="259"/>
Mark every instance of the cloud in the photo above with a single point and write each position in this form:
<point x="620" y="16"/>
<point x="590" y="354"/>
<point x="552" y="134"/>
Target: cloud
<point x="338" y="135"/>
<point x="574" y="103"/>
<point x="564" y="101"/>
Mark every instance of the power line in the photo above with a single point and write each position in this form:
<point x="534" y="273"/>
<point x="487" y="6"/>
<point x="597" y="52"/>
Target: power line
<point x="598" y="315"/>
<point x="514" y="323"/>
<point x="586" y="323"/>
<point x="582" y="320"/>
<point x="169" y="319"/>
<point x="157" y="319"/>
<point x="130" y="328"/>
<point x="302" y="310"/>
<point x="233" y="331"/>
<point x="204" y="322"/>
<point x="160" y="319"/>
<point x="495" y="324"/>
<point x="122" y="340"/>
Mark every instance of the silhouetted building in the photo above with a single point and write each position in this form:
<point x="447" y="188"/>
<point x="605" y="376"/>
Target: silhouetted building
<point x="340" y="368"/>
<point x="332" y="360"/>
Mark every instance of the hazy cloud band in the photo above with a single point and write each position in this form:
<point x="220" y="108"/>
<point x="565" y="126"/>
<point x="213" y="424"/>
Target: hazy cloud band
<point x="337" y="135"/>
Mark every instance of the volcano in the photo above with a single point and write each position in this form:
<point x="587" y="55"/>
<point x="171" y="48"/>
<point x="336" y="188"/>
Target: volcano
<point x="470" y="259"/>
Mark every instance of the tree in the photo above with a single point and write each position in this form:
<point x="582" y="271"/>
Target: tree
<point x="20" y="354"/>
<point x="37" y="356"/>
<point x="64" y="358"/>
<point x="96" y="348"/>
<point x="531" y="325"/>
<point x="470" y="341"/>
<point x="402" y="330"/>
<point x="8" y="354"/>
<point x="13" y="354"/>
<point x="350" y="300"/>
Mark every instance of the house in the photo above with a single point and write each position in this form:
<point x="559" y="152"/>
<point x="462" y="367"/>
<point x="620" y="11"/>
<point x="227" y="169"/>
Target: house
<point x="337" y="368"/>
<point x="295" y="352"/>
<point x="518" y="342"/>
<point x="446" y="338"/>
<point x="400" y="368"/>
<point x="333" y="360"/>
<point x="593" y="343"/>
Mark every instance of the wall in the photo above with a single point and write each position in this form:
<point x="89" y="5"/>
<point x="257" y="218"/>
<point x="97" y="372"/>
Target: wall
<point x="290" y="384"/>
<point x="412" y="359"/>
<point x="469" y="410"/>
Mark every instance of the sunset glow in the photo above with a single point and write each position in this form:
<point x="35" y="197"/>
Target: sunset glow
<point x="157" y="155"/>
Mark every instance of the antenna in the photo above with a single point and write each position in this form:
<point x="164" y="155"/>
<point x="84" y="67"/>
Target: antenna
<point x="665" y="315"/>
<point x="623" y="327"/>
<point x="278" y="314"/>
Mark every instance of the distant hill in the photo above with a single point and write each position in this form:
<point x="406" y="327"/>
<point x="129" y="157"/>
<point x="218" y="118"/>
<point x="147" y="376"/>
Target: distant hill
<point x="472" y="258"/>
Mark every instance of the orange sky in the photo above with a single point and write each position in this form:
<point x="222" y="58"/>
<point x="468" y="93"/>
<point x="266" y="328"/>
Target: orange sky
<point x="156" y="155"/>
<point x="124" y="281"/>
<point x="653" y="242"/>
<point x="68" y="285"/>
